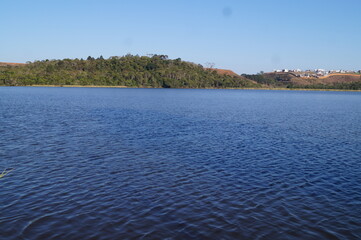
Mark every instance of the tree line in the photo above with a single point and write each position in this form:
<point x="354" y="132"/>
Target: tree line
<point x="130" y="70"/>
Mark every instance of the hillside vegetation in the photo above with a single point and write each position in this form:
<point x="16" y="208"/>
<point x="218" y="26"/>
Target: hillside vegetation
<point x="156" y="71"/>
<point x="289" y="80"/>
<point x="132" y="71"/>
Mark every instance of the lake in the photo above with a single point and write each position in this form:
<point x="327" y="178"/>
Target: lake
<point x="109" y="163"/>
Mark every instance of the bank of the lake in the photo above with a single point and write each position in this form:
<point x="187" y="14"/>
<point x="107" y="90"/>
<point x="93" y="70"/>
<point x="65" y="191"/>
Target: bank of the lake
<point x="260" y="88"/>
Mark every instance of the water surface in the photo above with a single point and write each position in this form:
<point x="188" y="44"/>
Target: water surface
<point x="102" y="163"/>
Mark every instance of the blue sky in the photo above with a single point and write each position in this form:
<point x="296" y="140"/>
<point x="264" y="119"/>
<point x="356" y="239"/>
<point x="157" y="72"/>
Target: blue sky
<point x="246" y="36"/>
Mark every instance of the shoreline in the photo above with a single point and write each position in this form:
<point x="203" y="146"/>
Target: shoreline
<point x="105" y="86"/>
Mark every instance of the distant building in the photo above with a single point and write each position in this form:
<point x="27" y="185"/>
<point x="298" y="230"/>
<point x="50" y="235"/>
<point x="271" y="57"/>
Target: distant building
<point x="319" y="72"/>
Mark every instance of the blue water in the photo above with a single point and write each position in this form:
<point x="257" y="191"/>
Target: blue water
<point x="102" y="163"/>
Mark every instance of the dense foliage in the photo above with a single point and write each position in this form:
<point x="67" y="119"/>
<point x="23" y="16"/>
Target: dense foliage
<point x="129" y="70"/>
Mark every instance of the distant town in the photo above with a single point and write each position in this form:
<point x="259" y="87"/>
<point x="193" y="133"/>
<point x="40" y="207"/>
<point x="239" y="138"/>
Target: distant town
<point x="317" y="73"/>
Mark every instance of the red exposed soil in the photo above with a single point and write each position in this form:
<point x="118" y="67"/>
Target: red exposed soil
<point x="11" y="64"/>
<point x="341" y="78"/>
<point x="223" y="71"/>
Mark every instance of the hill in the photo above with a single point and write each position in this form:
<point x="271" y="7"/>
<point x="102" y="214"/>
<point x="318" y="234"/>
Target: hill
<point x="131" y="71"/>
<point x="341" y="78"/>
<point x="223" y="71"/>
<point x="290" y="80"/>
<point x="11" y="64"/>
<point x="159" y="72"/>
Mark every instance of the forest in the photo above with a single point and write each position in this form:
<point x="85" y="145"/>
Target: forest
<point x="157" y="71"/>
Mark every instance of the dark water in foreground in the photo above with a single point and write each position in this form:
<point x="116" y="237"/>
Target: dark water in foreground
<point x="179" y="164"/>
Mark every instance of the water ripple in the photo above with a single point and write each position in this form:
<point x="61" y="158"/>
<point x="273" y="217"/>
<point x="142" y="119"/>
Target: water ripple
<point x="193" y="164"/>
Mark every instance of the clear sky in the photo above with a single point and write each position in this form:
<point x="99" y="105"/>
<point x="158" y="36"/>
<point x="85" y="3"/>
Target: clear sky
<point x="246" y="36"/>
